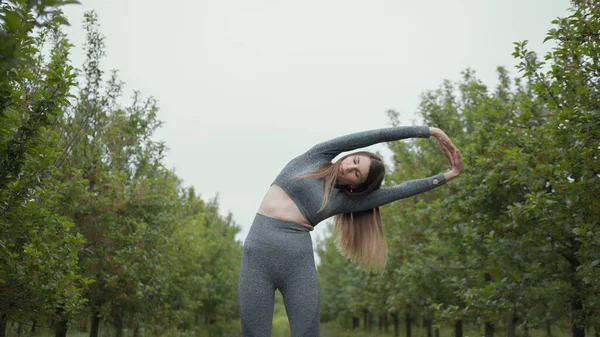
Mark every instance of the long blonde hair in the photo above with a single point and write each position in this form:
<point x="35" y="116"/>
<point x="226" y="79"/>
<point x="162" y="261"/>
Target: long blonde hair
<point x="358" y="234"/>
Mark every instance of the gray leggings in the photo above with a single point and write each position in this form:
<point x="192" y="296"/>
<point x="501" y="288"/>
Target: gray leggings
<point x="278" y="255"/>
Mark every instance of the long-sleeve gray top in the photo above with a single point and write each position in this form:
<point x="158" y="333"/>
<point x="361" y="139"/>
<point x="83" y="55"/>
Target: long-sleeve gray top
<point x="307" y="193"/>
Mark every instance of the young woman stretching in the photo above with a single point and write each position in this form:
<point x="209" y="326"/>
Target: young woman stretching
<point x="278" y="251"/>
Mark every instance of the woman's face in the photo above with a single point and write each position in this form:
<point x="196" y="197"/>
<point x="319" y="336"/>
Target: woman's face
<point x="354" y="170"/>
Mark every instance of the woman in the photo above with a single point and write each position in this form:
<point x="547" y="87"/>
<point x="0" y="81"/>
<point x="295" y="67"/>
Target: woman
<point x="278" y="250"/>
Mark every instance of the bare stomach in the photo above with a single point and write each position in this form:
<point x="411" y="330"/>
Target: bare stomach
<point x="277" y="204"/>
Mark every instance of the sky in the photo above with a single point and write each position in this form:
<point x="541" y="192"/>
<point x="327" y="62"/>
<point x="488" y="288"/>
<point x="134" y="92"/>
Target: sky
<point x="245" y="86"/>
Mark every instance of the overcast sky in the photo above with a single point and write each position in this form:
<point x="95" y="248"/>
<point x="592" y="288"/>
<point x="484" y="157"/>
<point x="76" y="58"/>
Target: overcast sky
<point x="245" y="86"/>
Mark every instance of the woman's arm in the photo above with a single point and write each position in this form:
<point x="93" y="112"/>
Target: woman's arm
<point x="387" y="195"/>
<point x="358" y="140"/>
<point x="409" y="188"/>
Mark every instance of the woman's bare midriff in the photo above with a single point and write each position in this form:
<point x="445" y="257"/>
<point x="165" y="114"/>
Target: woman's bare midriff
<point x="277" y="204"/>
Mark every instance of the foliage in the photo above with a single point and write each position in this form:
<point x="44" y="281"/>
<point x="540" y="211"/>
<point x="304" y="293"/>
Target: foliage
<point x="91" y="220"/>
<point x="156" y="252"/>
<point x="516" y="236"/>
<point x="38" y="246"/>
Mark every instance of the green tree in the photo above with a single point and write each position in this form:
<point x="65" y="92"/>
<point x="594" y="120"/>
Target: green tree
<point x="124" y="198"/>
<point x="38" y="265"/>
<point x="563" y="156"/>
<point x="159" y="256"/>
<point x="204" y="260"/>
<point x="515" y="238"/>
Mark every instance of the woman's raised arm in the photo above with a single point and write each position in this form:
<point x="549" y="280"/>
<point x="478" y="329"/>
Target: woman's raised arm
<point x="362" y="139"/>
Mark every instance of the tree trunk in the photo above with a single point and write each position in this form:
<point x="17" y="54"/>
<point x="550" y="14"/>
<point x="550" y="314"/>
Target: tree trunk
<point x="396" y="325"/>
<point x="489" y="326"/>
<point x="95" y="324"/>
<point x="60" y="326"/>
<point x="355" y="322"/>
<point x="427" y="324"/>
<point x="365" y="320"/>
<point x="436" y="332"/>
<point x="408" y="324"/>
<point x="578" y="330"/>
<point x="33" y="325"/>
<point x="489" y="329"/>
<point x="119" y="330"/>
<point x="510" y="326"/>
<point x="385" y="324"/>
<point x="548" y="328"/>
<point x="458" y="328"/>
<point x="3" y="321"/>
<point x="577" y="310"/>
<point x="119" y="323"/>
<point x="524" y="324"/>
<point x="381" y="322"/>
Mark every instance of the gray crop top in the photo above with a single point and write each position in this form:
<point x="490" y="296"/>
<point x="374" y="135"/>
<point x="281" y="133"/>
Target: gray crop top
<point x="307" y="193"/>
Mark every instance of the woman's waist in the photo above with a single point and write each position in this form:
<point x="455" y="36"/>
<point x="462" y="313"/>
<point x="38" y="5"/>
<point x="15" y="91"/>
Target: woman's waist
<point x="285" y="217"/>
<point x="277" y="204"/>
<point x="267" y="233"/>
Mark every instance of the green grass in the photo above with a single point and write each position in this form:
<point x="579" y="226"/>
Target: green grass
<point x="281" y="325"/>
<point x="333" y="329"/>
<point x="281" y="328"/>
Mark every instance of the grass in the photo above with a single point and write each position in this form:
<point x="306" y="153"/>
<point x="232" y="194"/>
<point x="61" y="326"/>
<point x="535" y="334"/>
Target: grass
<point x="332" y="329"/>
<point x="281" y="325"/>
<point x="281" y="328"/>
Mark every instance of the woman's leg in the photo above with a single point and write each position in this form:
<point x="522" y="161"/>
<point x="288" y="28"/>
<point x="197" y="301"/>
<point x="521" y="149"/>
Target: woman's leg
<point x="300" y="291"/>
<point x="278" y="254"/>
<point x="256" y="294"/>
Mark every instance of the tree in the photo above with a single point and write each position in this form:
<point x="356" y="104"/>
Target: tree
<point x="515" y="238"/>
<point x="38" y="265"/>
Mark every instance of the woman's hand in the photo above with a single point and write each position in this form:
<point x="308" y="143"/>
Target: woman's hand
<point x="451" y="152"/>
<point x="442" y="138"/>
<point x="456" y="164"/>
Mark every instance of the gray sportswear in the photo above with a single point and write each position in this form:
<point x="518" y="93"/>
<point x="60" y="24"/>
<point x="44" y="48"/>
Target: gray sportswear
<point x="307" y="194"/>
<point x="278" y="254"/>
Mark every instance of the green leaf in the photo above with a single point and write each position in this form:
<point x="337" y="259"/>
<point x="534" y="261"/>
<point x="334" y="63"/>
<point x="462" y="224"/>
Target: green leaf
<point x="12" y="21"/>
<point x="61" y="20"/>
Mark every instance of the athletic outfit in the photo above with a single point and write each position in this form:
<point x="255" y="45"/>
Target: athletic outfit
<point x="279" y="255"/>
